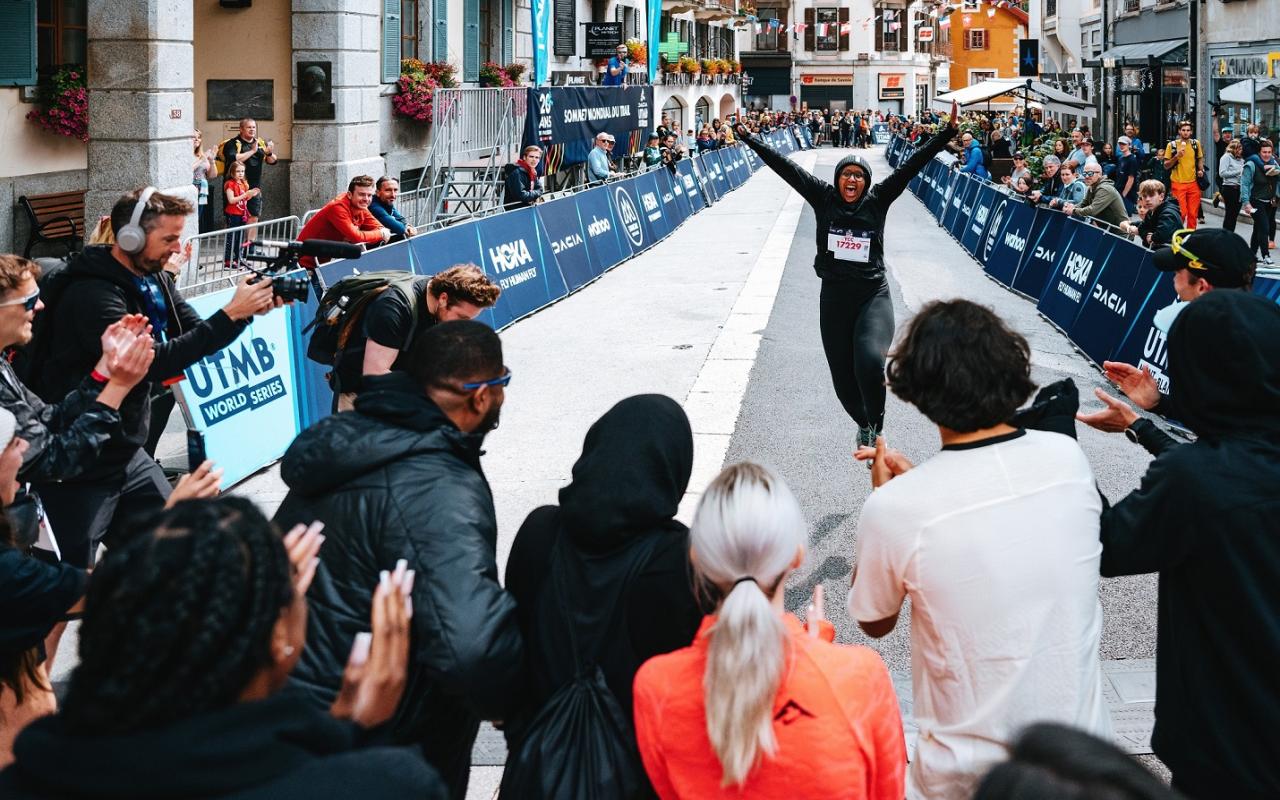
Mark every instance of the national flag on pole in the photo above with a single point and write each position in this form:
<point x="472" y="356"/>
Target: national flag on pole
<point x="893" y="26"/>
<point x="800" y="27"/>
<point x="844" y="27"/>
<point x="945" y="22"/>
<point x="773" y="23"/>
<point x="822" y="29"/>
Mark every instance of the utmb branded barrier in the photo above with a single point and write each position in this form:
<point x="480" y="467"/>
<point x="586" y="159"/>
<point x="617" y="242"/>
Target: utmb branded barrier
<point x="1098" y="288"/>
<point x="537" y="255"/>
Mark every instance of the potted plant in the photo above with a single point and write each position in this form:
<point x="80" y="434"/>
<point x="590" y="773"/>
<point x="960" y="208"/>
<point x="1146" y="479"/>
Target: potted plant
<point x="492" y="76"/>
<point x="515" y="72"/>
<point x="442" y="72"/>
<point x="710" y="66"/>
<point x="63" y="103"/>
<point x="637" y="51"/>
<point x="415" y="92"/>
<point x="671" y="67"/>
<point x="690" y="65"/>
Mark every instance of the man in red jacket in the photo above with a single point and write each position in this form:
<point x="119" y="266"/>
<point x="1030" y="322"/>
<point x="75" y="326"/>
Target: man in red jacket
<point x="346" y="218"/>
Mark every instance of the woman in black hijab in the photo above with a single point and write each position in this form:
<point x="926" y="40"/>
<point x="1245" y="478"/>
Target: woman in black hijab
<point x="628" y="588"/>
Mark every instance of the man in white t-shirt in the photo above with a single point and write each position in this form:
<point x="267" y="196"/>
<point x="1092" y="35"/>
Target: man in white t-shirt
<point x="995" y="539"/>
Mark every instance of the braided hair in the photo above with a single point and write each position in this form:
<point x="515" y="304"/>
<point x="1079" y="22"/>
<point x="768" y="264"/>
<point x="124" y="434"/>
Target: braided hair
<point x="178" y="620"/>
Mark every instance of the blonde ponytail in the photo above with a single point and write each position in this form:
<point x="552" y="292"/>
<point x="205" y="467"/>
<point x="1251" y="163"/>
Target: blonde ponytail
<point x="746" y="532"/>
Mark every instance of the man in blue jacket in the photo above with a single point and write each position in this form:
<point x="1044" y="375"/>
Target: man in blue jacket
<point x="972" y="156"/>
<point x="384" y="209"/>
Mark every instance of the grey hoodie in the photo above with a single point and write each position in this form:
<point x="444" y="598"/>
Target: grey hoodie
<point x="1102" y="201"/>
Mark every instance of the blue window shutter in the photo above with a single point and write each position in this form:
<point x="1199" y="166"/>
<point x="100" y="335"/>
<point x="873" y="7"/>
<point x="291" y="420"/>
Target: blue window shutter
<point x="390" y="41"/>
<point x="471" y="40"/>
<point x="440" y="31"/>
<point x="18" y="44"/>
<point x="508" y="31"/>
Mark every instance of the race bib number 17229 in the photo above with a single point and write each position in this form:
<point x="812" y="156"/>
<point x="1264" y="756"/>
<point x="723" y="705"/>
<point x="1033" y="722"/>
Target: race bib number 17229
<point x="850" y="245"/>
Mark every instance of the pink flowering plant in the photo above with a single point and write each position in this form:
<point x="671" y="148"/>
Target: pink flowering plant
<point x="492" y="74"/>
<point x="63" y="103"/>
<point x="414" y="92"/>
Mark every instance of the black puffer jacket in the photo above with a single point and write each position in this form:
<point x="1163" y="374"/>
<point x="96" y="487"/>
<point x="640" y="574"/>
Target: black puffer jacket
<point x="866" y="215"/>
<point x="1157" y="228"/>
<point x="396" y="479"/>
<point x="99" y="291"/>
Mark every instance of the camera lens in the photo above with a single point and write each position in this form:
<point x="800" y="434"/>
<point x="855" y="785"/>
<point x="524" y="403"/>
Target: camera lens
<point x="290" y="288"/>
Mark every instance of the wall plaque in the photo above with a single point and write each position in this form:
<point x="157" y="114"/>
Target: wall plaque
<point x="239" y="99"/>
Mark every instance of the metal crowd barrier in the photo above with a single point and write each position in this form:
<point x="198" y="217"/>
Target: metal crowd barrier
<point x="215" y="256"/>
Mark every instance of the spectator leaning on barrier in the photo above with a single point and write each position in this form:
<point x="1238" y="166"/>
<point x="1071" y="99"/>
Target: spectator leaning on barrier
<point x="1258" y="184"/>
<point x="1050" y="181"/>
<point x="1076" y="152"/>
<point x="1222" y="261"/>
<point x="995" y="540"/>
<point x="1205" y="519"/>
<point x="1073" y="190"/>
<point x="1101" y="201"/>
<point x="971" y="155"/>
<point x="1161" y="216"/>
<point x="99" y="287"/>
<point x="188" y="638"/>
<point x="758" y="706"/>
<point x="1184" y="158"/>
<point x="383" y="208"/>
<point x="346" y="218"/>
<point x="521" y="188"/>
<point x="381" y="338"/>
<point x="401" y="478"/>
<point x="652" y="152"/>
<point x="599" y="163"/>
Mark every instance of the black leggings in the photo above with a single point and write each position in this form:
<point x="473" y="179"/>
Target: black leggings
<point x="1262" y="212"/>
<point x="856" y="318"/>
<point x="1231" y="203"/>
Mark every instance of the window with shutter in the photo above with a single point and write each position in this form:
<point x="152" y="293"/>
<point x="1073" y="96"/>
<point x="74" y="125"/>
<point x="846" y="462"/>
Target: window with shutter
<point x="809" y="33"/>
<point x="566" y="27"/>
<point x="409" y="45"/>
<point x="471" y="40"/>
<point x="18" y="45"/>
<point x="508" y="31"/>
<point x="440" y="30"/>
<point x="844" y="31"/>
<point x="390" y="41"/>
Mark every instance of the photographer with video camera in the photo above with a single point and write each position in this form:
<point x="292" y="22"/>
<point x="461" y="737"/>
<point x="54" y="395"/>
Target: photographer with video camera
<point x="102" y="285"/>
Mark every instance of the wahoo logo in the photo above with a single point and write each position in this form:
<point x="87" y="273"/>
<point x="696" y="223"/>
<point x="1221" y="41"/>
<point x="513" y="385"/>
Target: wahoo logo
<point x="1111" y="300"/>
<point x="509" y="256"/>
<point x="1077" y="268"/>
<point x="1014" y="241"/>
<point x="598" y="226"/>
<point x="629" y="216"/>
<point x="567" y="243"/>
<point x="993" y="233"/>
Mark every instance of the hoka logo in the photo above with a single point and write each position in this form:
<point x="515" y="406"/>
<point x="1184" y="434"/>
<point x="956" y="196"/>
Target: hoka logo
<point x="1078" y="268"/>
<point x="509" y="256"/>
<point x="598" y="226"/>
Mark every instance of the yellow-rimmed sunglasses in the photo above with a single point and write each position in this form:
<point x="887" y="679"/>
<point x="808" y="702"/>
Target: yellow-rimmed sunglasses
<point x="1180" y="236"/>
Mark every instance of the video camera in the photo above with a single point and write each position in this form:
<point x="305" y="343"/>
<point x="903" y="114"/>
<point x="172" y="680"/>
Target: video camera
<point x="281" y="257"/>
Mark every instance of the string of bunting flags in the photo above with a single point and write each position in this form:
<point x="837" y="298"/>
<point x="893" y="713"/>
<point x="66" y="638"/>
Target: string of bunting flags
<point x="942" y="12"/>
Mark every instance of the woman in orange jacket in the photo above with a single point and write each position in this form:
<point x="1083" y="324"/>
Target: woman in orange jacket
<point x="758" y="707"/>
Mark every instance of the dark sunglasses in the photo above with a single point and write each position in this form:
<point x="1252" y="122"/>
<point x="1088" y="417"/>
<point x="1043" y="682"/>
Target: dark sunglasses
<point x="28" y="303"/>
<point x="501" y="380"/>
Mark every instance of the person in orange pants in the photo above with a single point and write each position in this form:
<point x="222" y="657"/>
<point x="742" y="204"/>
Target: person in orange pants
<point x="1184" y="158"/>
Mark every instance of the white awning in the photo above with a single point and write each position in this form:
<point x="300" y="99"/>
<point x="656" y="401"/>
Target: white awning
<point x="1243" y="92"/>
<point x="1014" y="90"/>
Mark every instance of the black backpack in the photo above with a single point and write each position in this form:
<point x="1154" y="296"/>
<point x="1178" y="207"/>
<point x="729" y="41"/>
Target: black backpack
<point x="53" y="281"/>
<point x="580" y="745"/>
<point x="342" y="308"/>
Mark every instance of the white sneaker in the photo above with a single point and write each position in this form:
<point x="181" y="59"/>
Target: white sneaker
<point x="1267" y="261"/>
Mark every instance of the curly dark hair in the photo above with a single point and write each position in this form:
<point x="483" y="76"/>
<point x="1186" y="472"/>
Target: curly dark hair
<point x="179" y="619"/>
<point x="961" y="366"/>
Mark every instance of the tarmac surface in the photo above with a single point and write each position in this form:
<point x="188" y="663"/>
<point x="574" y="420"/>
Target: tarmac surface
<point x="722" y="316"/>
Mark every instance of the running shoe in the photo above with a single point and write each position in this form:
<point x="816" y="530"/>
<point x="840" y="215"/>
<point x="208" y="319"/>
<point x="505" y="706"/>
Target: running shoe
<point x="1268" y="261"/>
<point x="867" y="438"/>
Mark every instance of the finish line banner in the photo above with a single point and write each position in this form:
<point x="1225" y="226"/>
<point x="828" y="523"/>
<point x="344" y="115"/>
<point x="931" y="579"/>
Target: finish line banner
<point x="566" y="119"/>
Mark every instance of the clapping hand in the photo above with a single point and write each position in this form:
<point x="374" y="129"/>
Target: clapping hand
<point x="1114" y="418"/>
<point x="1137" y="384"/>
<point x="954" y="123"/>
<point x="377" y="669"/>
<point x="302" y="543"/>
<point x="202" y="483"/>
<point x="817" y="613"/>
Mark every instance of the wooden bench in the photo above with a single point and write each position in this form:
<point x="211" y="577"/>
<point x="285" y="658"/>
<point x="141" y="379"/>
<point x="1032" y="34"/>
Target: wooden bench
<point x="55" y="218"/>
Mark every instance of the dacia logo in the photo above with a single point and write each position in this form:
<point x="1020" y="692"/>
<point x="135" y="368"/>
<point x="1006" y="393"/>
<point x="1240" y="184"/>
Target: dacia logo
<point x="1111" y="300"/>
<point x="567" y="243"/>
<point x="598" y="226"/>
<point x="509" y="256"/>
<point x="993" y="233"/>
<point x="1077" y="268"/>
<point x="1045" y="254"/>
<point x="629" y="216"/>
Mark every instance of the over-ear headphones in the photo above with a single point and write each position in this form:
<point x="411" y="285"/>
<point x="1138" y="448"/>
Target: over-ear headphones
<point x="132" y="238"/>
